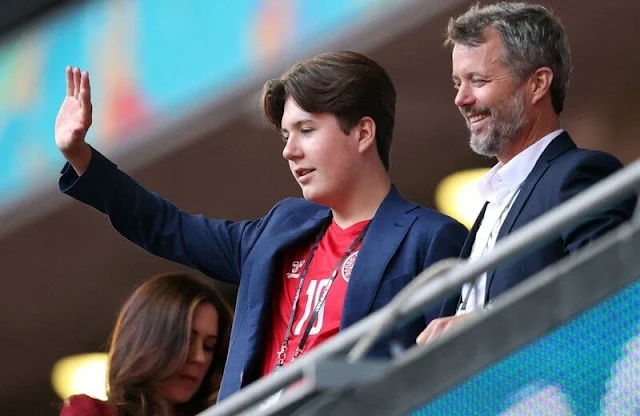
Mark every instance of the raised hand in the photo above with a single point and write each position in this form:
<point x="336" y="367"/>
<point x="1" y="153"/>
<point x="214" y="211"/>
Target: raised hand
<point x="74" y="119"/>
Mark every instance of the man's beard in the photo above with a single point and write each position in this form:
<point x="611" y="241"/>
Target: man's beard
<point x="505" y="122"/>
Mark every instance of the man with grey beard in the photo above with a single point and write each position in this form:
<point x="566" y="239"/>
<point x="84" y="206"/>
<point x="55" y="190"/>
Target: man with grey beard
<point x="511" y="68"/>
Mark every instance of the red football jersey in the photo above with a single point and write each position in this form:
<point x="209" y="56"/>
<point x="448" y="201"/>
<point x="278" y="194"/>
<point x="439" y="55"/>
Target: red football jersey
<point x="333" y="245"/>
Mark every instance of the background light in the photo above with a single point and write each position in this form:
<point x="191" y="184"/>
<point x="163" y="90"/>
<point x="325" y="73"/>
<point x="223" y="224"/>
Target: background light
<point x="81" y="374"/>
<point x="457" y="195"/>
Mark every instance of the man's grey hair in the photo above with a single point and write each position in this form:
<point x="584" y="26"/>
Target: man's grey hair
<point x="532" y="37"/>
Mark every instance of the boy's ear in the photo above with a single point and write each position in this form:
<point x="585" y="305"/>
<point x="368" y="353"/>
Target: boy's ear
<point x="366" y="133"/>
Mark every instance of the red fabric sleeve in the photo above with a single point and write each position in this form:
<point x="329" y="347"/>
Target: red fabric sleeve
<point x="83" y="405"/>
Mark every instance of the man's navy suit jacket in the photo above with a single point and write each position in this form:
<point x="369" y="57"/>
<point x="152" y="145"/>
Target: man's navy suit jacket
<point x="402" y="240"/>
<point x="562" y="171"/>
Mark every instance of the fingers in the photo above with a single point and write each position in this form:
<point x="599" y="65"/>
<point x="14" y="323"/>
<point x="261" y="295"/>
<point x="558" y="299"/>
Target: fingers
<point x="69" y="74"/>
<point x="78" y="85"/>
<point x="423" y="336"/>
<point x="85" y="90"/>
<point x="437" y="327"/>
<point x="76" y="82"/>
<point x="430" y="332"/>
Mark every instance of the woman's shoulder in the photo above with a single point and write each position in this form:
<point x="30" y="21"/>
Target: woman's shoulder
<point x="83" y="405"/>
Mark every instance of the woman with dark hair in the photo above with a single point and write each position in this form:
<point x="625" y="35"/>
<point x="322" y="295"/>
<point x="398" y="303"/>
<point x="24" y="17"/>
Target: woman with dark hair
<point x="167" y="352"/>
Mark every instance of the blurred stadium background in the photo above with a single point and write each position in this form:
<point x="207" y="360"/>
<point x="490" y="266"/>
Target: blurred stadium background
<point x="176" y="88"/>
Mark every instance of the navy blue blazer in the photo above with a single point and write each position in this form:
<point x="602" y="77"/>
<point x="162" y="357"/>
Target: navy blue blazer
<point x="402" y="240"/>
<point x="562" y="171"/>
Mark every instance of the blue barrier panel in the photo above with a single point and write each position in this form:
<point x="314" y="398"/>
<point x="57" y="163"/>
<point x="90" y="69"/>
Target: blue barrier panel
<point x="588" y="366"/>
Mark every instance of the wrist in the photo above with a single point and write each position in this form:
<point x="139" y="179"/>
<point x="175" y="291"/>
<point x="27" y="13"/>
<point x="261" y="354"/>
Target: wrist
<point x="79" y="157"/>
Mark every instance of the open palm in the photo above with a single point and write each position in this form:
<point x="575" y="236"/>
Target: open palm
<point x="74" y="118"/>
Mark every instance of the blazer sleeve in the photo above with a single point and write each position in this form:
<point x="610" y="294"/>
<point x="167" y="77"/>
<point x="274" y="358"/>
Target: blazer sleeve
<point x="215" y="247"/>
<point x="586" y="171"/>
<point x="83" y="405"/>
<point x="446" y="243"/>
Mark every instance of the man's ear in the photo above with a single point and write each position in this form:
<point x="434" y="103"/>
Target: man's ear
<point x="540" y="83"/>
<point x="366" y="133"/>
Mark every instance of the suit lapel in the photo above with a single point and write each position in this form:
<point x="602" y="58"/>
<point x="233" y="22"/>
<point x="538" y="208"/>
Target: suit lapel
<point x="265" y="267"/>
<point x="559" y="145"/>
<point x="386" y="231"/>
<point x="270" y="250"/>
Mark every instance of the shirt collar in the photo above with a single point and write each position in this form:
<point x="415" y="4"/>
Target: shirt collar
<point x="501" y="180"/>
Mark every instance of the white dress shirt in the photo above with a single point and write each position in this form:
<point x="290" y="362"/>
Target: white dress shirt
<point x="499" y="187"/>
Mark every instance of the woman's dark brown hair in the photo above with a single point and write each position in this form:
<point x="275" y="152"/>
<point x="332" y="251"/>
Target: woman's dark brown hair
<point x="150" y="342"/>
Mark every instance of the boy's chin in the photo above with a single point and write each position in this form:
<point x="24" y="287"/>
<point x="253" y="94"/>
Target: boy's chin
<point x="315" y="197"/>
